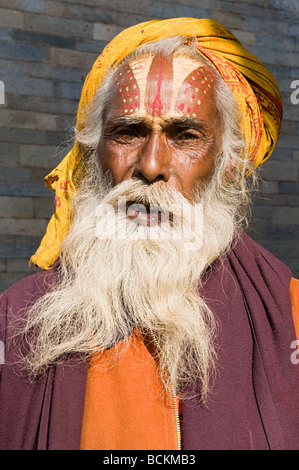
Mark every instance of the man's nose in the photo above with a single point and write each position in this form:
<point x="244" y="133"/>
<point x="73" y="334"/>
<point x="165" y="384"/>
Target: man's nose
<point x="153" y="160"/>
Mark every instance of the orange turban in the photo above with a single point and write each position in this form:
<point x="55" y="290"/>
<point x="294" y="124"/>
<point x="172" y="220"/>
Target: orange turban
<point x="253" y="85"/>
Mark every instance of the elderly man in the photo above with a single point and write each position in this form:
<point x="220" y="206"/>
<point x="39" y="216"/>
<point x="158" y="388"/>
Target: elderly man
<point x="156" y="323"/>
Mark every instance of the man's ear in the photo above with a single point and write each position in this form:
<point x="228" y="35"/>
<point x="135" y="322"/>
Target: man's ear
<point x="229" y="171"/>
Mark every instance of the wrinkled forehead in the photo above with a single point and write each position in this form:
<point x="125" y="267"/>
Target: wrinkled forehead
<point x="163" y="86"/>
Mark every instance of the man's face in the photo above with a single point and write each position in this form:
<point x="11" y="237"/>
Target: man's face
<point x="163" y="124"/>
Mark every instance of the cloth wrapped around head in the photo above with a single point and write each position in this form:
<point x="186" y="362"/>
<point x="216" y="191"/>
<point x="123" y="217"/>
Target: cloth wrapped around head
<point x="253" y="85"/>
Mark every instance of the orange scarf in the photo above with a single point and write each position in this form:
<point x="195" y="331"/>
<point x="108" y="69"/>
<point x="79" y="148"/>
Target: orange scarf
<point x="126" y="406"/>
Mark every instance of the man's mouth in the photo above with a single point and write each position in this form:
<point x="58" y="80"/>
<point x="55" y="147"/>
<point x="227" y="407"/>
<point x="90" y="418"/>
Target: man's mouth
<point x="146" y="214"/>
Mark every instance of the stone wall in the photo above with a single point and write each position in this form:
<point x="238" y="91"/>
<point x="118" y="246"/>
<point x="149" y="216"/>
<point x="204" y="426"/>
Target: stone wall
<point x="46" y="49"/>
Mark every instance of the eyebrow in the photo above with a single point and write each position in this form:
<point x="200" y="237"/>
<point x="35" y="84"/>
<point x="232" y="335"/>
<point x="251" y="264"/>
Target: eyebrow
<point x="184" y="122"/>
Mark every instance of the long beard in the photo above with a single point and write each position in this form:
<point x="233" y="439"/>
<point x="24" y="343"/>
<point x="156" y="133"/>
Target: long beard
<point x="110" y="283"/>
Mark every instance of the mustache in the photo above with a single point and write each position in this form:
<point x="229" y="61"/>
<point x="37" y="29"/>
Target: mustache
<point x="134" y="209"/>
<point x="149" y="195"/>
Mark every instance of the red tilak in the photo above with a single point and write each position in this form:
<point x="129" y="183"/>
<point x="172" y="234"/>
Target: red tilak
<point x="156" y="104"/>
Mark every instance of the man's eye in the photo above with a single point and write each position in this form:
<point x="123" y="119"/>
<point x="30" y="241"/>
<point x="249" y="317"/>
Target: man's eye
<point x="126" y="131"/>
<point x="188" y="136"/>
<point x="122" y="134"/>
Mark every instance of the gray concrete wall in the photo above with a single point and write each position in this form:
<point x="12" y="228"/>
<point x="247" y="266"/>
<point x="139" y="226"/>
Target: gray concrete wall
<point x="46" y="49"/>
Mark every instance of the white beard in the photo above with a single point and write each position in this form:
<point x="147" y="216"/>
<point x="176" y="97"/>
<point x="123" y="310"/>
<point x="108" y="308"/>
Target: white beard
<point x="109" y="284"/>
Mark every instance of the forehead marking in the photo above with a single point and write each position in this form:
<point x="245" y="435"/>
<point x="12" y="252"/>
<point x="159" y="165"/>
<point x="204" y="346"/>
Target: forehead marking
<point x="156" y="104"/>
<point x="156" y="86"/>
<point x="128" y="89"/>
<point x="159" y="84"/>
<point x="193" y="91"/>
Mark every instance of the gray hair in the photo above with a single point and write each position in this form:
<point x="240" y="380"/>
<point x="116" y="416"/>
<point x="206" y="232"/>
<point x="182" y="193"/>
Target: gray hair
<point x="232" y="164"/>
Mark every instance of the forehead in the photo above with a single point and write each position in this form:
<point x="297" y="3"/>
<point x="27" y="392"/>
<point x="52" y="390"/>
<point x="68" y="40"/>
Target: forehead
<point x="163" y="87"/>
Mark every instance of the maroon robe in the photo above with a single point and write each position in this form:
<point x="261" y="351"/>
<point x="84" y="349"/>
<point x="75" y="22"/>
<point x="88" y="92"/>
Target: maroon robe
<point x="255" y="397"/>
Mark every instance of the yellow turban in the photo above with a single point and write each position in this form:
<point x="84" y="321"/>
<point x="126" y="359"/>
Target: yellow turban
<point x="253" y="85"/>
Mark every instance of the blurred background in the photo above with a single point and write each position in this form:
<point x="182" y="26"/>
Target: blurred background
<point x="47" y="47"/>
